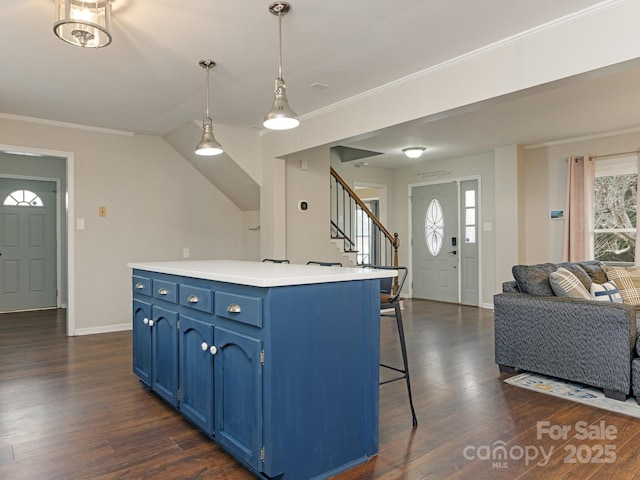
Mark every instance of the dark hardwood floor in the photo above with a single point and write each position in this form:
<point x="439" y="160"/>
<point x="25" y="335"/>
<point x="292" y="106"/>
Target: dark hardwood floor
<point x="70" y="408"/>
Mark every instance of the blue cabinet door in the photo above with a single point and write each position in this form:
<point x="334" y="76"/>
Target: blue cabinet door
<point x="196" y="372"/>
<point x="164" y="352"/>
<point x="142" y="341"/>
<point x="238" y="395"/>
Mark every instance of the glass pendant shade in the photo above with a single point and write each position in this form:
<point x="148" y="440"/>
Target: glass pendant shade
<point x="208" y="145"/>
<point x="281" y="116"/>
<point x="84" y="23"/>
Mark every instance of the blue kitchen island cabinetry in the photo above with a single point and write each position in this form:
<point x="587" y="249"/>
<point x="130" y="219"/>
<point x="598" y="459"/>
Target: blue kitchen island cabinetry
<point x="278" y="363"/>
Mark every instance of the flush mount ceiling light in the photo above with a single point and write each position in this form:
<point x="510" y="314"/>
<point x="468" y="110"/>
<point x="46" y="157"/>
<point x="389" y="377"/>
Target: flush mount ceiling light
<point x="413" y="152"/>
<point x="84" y="23"/>
<point x="208" y="145"/>
<point x="281" y="116"/>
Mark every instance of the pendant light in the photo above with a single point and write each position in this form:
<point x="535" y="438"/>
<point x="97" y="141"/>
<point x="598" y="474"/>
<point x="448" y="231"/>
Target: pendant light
<point x="84" y="23"/>
<point x="281" y="116"/>
<point x="208" y="145"/>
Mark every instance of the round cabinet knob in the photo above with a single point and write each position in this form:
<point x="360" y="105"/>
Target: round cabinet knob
<point x="151" y="323"/>
<point x="145" y="321"/>
<point x="204" y="346"/>
<point x="213" y="350"/>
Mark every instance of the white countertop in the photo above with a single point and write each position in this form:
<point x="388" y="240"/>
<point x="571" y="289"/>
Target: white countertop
<point x="262" y="274"/>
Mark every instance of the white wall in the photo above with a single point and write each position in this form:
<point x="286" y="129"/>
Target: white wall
<point x="308" y="233"/>
<point x="157" y="204"/>
<point x="545" y="177"/>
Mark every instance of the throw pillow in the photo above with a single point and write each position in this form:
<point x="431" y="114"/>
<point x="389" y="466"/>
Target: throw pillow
<point x="566" y="284"/>
<point x="534" y="279"/>
<point x="606" y="292"/>
<point x="627" y="279"/>
<point x="595" y="269"/>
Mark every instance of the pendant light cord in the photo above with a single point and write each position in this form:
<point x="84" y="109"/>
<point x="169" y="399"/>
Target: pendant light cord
<point x="280" y="44"/>
<point x="207" y="110"/>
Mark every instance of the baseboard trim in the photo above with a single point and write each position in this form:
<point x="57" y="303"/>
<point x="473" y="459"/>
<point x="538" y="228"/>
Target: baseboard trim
<point x="106" y="329"/>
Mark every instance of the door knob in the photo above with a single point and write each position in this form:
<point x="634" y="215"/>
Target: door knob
<point x="453" y="252"/>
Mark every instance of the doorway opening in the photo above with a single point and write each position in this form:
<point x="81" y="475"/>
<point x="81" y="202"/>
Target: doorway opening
<point x="27" y="281"/>
<point x="444" y="219"/>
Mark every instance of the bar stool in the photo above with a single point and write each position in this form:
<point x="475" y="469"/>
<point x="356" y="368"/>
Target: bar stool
<point x="324" y="264"/>
<point x="275" y="260"/>
<point x="388" y="301"/>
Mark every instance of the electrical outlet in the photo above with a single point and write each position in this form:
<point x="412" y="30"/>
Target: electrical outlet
<point x="185" y="252"/>
<point x="102" y="211"/>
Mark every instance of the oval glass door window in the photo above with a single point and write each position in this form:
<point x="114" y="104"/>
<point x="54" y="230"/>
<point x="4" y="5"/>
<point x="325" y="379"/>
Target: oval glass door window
<point x="434" y="227"/>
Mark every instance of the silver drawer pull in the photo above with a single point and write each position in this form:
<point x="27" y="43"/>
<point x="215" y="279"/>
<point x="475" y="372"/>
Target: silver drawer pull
<point x="192" y="299"/>
<point x="139" y="285"/>
<point x="234" y="308"/>
<point x="162" y="291"/>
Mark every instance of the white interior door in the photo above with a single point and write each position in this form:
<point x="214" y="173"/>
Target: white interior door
<point x="435" y="242"/>
<point x="27" y="244"/>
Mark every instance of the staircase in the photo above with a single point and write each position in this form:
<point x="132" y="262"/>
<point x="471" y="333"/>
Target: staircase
<point x="356" y="231"/>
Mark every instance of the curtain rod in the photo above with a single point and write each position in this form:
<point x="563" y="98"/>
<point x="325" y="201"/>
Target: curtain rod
<point x="635" y="152"/>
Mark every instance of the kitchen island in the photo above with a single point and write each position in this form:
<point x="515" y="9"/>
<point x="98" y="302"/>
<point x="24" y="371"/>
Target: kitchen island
<point x="277" y="363"/>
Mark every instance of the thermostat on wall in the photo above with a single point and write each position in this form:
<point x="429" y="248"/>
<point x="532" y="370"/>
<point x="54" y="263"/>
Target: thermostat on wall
<point x="303" y="205"/>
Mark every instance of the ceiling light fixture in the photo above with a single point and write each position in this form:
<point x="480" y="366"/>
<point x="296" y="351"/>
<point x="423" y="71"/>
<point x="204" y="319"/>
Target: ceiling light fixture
<point x="281" y="116"/>
<point x="413" y="152"/>
<point x="84" y="23"/>
<point x="208" y="146"/>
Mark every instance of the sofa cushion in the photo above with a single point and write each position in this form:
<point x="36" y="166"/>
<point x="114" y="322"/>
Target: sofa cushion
<point x="606" y="292"/>
<point x="627" y="280"/>
<point x="534" y="279"/>
<point x="566" y="284"/>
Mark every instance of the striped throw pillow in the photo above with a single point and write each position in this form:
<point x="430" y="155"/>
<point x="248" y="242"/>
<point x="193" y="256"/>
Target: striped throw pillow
<point x="627" y="279"/>
<point x="566" y="284"/>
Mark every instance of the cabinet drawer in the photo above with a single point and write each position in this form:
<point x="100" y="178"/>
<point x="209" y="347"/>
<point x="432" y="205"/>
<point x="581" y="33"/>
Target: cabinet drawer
<point x="240" y="308"/>
<point x="141" y="285"/>
<point x="196" y="298"/>
<point x="165" y="290"/>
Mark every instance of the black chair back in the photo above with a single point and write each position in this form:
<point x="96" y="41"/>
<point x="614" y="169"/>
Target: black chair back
<point x="324" y="264"/>
<point x="386" y="284"/>
<point x="274" y="260"/>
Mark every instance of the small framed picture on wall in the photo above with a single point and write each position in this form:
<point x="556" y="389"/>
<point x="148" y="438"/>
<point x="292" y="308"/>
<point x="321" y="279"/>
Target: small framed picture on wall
<point x="556" y="214"/>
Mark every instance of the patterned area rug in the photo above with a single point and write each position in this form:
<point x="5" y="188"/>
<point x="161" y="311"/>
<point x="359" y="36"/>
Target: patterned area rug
<point x="575" y="392"/>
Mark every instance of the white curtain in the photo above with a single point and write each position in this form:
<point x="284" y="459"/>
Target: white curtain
<point x="579" y="210"/>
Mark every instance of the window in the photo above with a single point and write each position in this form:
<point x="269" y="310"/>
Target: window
<point x="615" y="193"/>
<point x="23" y="198"/>
<point x="470" y="217"/>
<point x="363" y="237"/>
<point x="434" y="227"/>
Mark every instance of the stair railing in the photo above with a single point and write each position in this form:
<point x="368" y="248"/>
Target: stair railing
<point x="359" y="229"/>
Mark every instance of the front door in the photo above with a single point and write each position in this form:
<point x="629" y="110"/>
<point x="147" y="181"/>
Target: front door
<point x="27" y="244"/>
<point x="435" y="242"/>
<point x="445" y="240"/>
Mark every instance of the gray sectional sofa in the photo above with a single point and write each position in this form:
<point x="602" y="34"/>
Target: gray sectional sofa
<point x="585" y="341"/>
